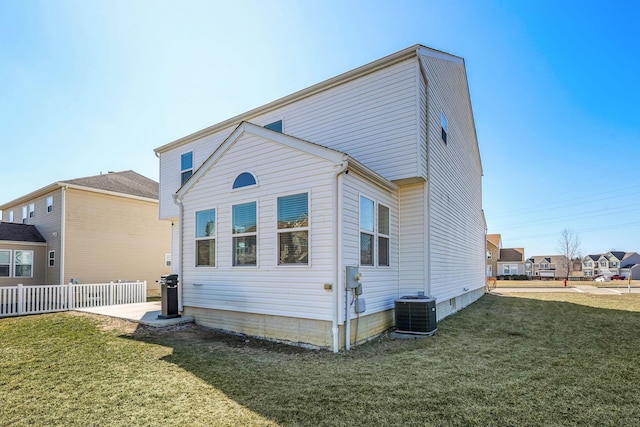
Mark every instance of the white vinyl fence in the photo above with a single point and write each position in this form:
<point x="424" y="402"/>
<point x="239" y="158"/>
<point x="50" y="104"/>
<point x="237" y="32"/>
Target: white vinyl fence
<point x="19" y="300"/>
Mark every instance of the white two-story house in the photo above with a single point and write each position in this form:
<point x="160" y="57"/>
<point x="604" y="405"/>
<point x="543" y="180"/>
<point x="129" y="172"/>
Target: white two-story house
<point x="376" y="169"/>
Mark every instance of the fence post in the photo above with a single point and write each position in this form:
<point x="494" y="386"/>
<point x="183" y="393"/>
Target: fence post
<point x="144" y="291"/>
<point x="70" y="296"/>
<point x="111" y="294"/>
<point x="20" y="299"/>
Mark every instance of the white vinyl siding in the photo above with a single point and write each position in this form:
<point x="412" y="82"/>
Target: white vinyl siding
<point x="361" y="117"/>
<point x="270" y="288"/>
<point x="413" y="237"/>
<point x="457" y="241"/>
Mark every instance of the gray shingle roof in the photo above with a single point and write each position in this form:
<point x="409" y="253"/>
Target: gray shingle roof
<point x="20" y="233"/>
<point x="126" y="182"/>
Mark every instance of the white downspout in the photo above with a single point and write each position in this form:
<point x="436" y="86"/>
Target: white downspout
<point x="63" y="234"/>
<point x="178" y="201"/>
<point x="337" y="257"/>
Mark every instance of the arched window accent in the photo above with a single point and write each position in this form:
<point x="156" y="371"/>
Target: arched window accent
<point x="245" y="179"/>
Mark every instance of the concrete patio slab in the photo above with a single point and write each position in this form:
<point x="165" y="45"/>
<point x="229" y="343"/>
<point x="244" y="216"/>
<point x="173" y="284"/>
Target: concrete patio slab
<point x="145" y="313"/>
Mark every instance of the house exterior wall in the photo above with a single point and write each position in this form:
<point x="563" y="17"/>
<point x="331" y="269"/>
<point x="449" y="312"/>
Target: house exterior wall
<point x="413" y="237"/>
<point x="39" y="263"/>
<point x="362" y="117"/>
<point x="49" y="224"/>
<point x="269" y="288"/>
<point x="109" y="238"/>
<point x="457" y="253"/>
<point x="493" y="261"/>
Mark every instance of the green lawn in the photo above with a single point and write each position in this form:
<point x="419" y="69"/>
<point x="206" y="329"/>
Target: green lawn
<point x="527" y="359"/>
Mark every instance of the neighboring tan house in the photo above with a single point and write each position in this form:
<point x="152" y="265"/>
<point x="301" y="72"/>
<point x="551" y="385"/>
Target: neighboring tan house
<point x="612" y="263"/>
<point x="97" y="229"/>
<point x="547" y="266"/>
<point x="23" y="255"/>
<point x="511" y="262"/>
<point x="376" y="169"/>
<point x="494" y="244"/>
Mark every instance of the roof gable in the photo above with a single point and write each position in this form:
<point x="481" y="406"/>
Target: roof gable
<point x="13" y="232"/>
<point x="512" y="254"/>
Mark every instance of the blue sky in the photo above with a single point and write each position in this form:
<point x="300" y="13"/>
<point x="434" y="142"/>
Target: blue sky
<point x="92" y="86"/>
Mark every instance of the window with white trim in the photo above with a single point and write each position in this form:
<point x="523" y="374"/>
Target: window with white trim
<point x="603" y="263"/>
<point x="32" y="209"/>
<point x="49" y="204"/>
<point x="245" y="179"/>
<point x="52" y="258"/>
<point x="186" y="166"/>
<point x="24" y="214"/>
<point x="374" y="233"/>
<point x="10" y="216"/>
<point x="205" y="238"/>
<point x="509" y="269"/>
<point x="245" y="234"/>
<point x="5" y="263"/>
<point x="167" y="260"/>
<point x="23" y="264"/>
<point x="293" y="229"/>
<point x="444" y="126"/>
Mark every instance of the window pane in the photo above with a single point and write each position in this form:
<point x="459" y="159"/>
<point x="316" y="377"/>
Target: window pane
<point x="4" y="270"/>
<point x="366" y="214"/>
<point x="185" y="176"/>
<point x="23" y="271"/>
<point x="244" y="218"/>
<point x="383" y="220"/>
<point x="294" y="247"/>
<point x="186" y="161"/>
<point x="206" y="223"/>
<point x="24" y="257"/>
<point x="366" y="249"/>
<point x="206" y="252"/>
<point x="245" y="179"/>
<point x="383" y="251"/>
<point x="244" y="250"/>
<point x="5" y="257"/>
<point x="277" y="126"/>
<point x="293" y="211"/>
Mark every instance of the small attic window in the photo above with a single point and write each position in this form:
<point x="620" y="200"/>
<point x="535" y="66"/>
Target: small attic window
<point x="444" y="127"/>
<point x="245" y="179"/>
<point x="277" y="126"/>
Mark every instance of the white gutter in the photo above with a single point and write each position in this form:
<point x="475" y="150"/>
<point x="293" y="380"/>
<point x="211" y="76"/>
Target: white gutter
<point x="63" y="234"/>
<point x="337" y="258"/>
<point x="178" y="201"/>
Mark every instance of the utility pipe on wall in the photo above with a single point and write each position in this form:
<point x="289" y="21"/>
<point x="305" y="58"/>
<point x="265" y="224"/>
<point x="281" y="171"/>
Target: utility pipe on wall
<point x="178" y="201"/>
<point x="337" y="257"/>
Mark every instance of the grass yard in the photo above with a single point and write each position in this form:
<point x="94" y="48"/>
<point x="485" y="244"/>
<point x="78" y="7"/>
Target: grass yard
<point x="560" y="284"/>
<point x="527" y="359"/>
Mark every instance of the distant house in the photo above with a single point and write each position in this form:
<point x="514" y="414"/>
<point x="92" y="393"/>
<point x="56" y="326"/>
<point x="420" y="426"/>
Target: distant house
<point x="511" y="262"/>
<point x="547" y="266"/>
<point x="494" y="244"/>
<point x="612" y="263"/>
<point x="377" y="169"/>
<point x="93" y="229"/>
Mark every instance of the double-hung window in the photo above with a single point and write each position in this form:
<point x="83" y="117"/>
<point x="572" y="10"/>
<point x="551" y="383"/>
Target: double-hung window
<point x="23" y="264"/>
<point x="374" y="233"/>
<point x="293" y="229"/>
<point x="205" y="238"/>
<point x="5" y="263"/>
<point x="245" y="234"/>
<point x="49" y="204"/>
<point x="32" y="209"/>
<point x="24" y="214"/>
<point x="52" y="258"/>
<point x="186" y="166"/>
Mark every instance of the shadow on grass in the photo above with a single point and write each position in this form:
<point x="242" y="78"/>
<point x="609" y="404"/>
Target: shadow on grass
<point x="501" y="361"/>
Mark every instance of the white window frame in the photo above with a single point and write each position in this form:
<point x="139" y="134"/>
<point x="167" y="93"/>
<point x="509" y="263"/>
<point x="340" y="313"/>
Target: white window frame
<point x="281" y="231"/>
<point x="507" y="269"/>
<point x="10" y="216"/>
<point x="25" y="215"/>
<point x="239" y="234"/>
<point x="212" y="237"/>
<point x="183" y="171"/>
<point x="49" y="204"/>
<point x="32" y="210"/>
<point x="167" y="260"/>
<point x="15" y="263"/>
<point x="375" y="234"/>
<point x="9" y="265"/>
<point x="51" y="257"/>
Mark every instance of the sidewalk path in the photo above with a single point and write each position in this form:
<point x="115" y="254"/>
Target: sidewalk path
<point x="588" y="289"/>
